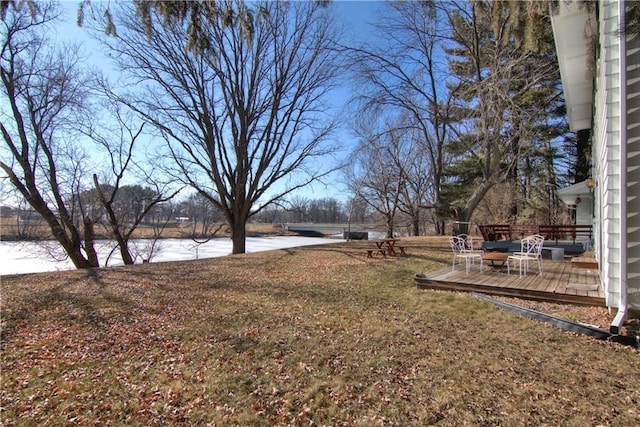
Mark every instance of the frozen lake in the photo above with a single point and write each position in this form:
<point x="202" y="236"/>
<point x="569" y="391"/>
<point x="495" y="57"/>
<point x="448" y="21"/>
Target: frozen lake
<point x="30" y="257"/>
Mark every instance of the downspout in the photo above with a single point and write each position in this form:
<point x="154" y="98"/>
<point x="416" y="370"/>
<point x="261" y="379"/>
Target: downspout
<point x="622" y="301"/>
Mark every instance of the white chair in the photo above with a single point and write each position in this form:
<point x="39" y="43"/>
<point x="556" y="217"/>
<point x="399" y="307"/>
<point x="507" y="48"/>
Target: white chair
<point x="461" y="251"/>
<point x="469" y="244"/>
<point x="530" y="250"/>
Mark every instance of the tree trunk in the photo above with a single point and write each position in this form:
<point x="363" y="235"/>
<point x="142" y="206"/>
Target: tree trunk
<point x="89" y="247"/>
<point x="73" y="247"/>
<point x="127" y="259"/>
<point x="79" y="261"/>
<point x="389" y="219"/>
<point x="113" y="223"/>
<point x="463" y="218"/>
<point x="71" y="244"/>
<point x="464" y="214"/>
<point x="416" y="223"/>
<point x="238" y="237"/>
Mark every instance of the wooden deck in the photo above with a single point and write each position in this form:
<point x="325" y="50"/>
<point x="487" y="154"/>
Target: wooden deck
<point x="560" y="282"/>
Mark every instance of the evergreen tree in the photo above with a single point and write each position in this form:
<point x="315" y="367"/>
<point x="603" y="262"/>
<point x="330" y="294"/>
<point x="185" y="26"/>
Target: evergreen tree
<point x="508" y="97"/>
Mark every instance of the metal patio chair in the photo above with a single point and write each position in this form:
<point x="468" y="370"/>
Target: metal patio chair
<point x="530" y="250"/>
<point x="461" y="251"/>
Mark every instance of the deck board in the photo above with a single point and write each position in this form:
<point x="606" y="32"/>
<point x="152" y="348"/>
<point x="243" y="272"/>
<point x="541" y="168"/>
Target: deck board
<point x="559" y="282"/>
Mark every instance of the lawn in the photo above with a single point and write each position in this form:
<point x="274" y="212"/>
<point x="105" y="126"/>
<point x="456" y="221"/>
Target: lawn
<point x="310" y="336"/>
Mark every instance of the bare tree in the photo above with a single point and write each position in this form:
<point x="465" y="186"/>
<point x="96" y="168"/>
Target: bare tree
<point x="414" y="165"/>
<point x="298" y="207"/>
<point x="48" y="127"/>
<point x="475" y="86"/>
<point x="375" y="176"/>
<point x="204" y="218"/>
<point x="244" y="121"/>
<point x="389" y="171"/>
<point x="403" y="76"/>
<point x="117" y="136"/>
<point x="44" y="95"/>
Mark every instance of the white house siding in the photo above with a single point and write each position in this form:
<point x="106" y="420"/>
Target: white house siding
<point x="606" y="154"/>
<point x="633" y="173"/>
<point x="583" y="211"/>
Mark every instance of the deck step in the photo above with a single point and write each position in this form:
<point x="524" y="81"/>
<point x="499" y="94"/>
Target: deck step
<point x="584" y="262"/>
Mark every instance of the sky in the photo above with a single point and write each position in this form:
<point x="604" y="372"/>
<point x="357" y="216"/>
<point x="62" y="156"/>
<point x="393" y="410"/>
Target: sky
<point x="355" y="16"/>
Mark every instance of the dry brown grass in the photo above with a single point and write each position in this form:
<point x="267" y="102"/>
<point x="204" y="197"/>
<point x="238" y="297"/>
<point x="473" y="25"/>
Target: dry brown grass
<point x="309" y="336"/>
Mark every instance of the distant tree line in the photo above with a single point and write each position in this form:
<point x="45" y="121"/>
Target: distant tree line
<point x="300" y="209"/>
<point x="193" y="214"/>
<point x="357" y="211"/>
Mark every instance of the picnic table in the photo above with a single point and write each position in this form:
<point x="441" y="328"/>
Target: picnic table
<point x="384" y="247"/>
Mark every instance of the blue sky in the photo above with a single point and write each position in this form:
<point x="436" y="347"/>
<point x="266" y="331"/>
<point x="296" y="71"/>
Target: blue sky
<point x="355" y="16"/>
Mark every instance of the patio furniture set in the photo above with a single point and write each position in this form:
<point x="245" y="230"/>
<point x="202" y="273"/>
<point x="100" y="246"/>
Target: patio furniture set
<point x="465" y="250"/>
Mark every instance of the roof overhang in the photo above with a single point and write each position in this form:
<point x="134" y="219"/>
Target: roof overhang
<point x="574" y="53"/>
<point x="570" y="194"/>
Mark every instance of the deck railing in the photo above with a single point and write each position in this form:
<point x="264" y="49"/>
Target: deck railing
<point x="511" y="232"/>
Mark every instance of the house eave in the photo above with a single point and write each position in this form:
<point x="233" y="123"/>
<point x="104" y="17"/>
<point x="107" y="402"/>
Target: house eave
<point x="569" y="195"/>
<point x="574" y="53"/>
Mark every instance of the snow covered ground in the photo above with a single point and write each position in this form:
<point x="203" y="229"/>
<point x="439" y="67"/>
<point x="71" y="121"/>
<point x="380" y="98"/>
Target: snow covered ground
<point x="30" y="257"/>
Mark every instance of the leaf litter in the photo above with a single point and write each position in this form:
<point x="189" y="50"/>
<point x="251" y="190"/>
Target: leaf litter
<point x="316" y="335"/>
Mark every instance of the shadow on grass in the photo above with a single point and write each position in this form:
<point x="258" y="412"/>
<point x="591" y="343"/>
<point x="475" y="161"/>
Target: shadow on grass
<point x="37" y="302"/>
<point x="98" y="297"/>
<point x="79" y="298"/>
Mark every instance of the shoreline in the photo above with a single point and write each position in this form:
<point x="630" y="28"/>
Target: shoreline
<point x="46" y="256"/>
